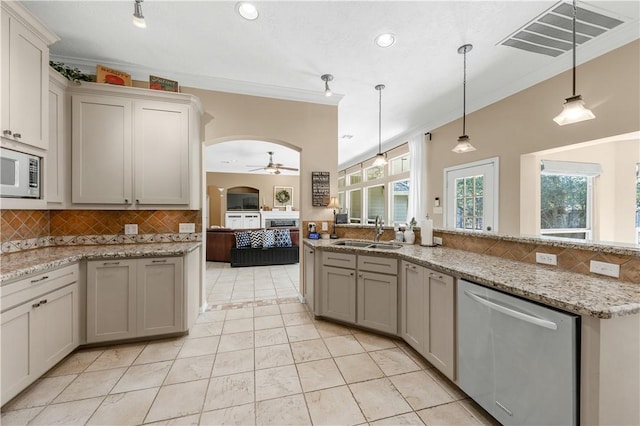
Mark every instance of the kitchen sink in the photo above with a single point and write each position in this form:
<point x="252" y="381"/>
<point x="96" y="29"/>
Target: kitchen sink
<point x="386" y="246"/>
<point x="350" y="243"/>
<point x="367" y="244"/>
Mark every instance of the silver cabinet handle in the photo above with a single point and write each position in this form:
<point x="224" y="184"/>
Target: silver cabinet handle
<point x="126" y="201"/>
<point x="35" y="305"/>
<point x="17" y="135"/>
<point x="350" y="274"/>
<point x="339" y="258"/>
<point x="110" y="263"/>
<point x="46" y="277"/>
<point x="137" y="201"/>
<point x="6" y="132"/>
<point x="360" y="275"/>
<point x="159" y="261"/>
<point x="43" y="301"/>
<point x="512" y="312"/>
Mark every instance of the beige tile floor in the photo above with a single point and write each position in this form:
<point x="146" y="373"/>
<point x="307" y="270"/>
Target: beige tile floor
<point x="255" y="357"/>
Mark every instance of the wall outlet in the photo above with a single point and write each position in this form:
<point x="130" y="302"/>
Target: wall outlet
<point x="547" y="259"/>
<point x="131" y="229"/>
<point x="604" y="268"/>
<point x="325" y="226"/>
<point x="437" y="210"/>
<point x="186" y="228"/>
<point x="437" y="241"/>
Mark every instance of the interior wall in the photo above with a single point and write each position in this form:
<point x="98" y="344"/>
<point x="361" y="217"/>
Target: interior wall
<point x="312" y="129"/>
<point x="264" y="183"/>
<point x="523" y="123"/>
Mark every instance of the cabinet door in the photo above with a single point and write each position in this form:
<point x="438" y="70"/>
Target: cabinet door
<point x="160" y="296"/>
<point x="18" y="367"/>
<point x="251" y="221"/>
<point x="378" y="301"/>
<point x="101" y="150"/>
<point x="412" y="309"/>
<point x="111" y="300"/>
<point x="440" y="332"/>
<point x="55" y="166"/>
<point x="161" y="143"/>
<point x="25" y="85"/>
<point x="309" y="278"/>
<point x="339" y="293"/>
<point x="56" y="326"/>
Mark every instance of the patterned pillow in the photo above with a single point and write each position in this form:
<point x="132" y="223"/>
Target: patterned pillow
<point x="283" y="238"/>
<point x="257" y="237"/>
<point x="269" y="238"/>
<point x="242" y="239"/>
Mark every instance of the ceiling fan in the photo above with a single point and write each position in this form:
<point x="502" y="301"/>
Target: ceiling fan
<point x="273" y="168"/>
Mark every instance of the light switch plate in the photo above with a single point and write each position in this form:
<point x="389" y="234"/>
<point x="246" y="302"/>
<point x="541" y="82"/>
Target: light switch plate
<point x="437" y="241"/>
<point x="186" y="228"/>
<point x="131" y="229"/>
<point x="325" y="227"/>
<point x="604" y="268"/>
<point x="547" y="259"/>
<point x="437" y="210"/>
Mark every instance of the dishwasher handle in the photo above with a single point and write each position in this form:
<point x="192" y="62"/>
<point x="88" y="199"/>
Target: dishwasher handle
<point x="511" y="312"/>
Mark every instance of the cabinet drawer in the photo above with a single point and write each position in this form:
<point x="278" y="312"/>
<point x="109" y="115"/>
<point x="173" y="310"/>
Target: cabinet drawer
<point x="341" y="260"/>
<point x="35" y="285"/>
<point x="378" y="264"/>
<point x="435" y="275"/>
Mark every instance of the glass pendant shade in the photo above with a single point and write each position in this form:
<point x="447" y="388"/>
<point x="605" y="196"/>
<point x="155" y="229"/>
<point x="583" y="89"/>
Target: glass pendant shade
<point x="380" y="160"/>
<point x="463" y="145"/>
<point x="138" y="17"/>
<point x="573" y="111"/>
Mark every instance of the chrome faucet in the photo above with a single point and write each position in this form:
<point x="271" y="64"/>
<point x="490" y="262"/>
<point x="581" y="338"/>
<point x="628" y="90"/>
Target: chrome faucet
<point x="377" y="231"/>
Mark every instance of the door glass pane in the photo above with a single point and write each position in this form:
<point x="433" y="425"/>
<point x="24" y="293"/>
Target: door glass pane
<point x="355" y="206"/>
<point x="375" y="203"/>
<point x="399" y="201"/>
<point x="469" y="202"/>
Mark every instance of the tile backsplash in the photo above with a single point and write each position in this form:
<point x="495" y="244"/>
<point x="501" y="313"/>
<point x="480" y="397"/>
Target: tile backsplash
<point x="34" y="228"/>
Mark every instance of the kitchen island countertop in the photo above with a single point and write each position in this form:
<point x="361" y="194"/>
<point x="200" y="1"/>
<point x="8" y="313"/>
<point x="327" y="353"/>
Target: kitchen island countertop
<point x="20" y="264"/>
<point x="570" y="291"/>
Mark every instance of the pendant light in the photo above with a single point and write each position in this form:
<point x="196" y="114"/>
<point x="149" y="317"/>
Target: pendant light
<point x="327" y="78"/>
<point x="138" y="17"/>
<point x="380" y="159"/>
<point x="463" y="144"/>
<point x="573" y="109"/>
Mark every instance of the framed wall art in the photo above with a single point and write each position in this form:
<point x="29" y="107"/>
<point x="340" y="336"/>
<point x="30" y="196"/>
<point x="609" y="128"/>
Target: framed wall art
<point x="282" y="196"/>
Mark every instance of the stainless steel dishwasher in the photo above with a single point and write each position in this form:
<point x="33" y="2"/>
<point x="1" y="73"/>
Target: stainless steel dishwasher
<point x="517" y="359"/>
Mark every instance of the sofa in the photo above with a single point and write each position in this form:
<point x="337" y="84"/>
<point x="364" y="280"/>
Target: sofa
<point x="221" y="246"/>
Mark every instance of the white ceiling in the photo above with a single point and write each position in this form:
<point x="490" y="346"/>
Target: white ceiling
<point x="243" y="156"/>
<point x="282" y="54"/>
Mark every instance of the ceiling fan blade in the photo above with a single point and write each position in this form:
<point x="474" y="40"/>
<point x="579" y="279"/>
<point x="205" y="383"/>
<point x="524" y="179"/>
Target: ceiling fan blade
<point x="293" y="169"/>
<point x="255" y="170"/>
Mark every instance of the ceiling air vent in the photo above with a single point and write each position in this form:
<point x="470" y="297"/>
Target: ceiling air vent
<point x="550" y="33"/>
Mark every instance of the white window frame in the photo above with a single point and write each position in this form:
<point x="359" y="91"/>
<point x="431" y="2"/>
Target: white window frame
<point x="495" y="163"/>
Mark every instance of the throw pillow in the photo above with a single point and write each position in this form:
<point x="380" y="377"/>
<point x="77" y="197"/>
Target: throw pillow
<point x="242" y="239"/>
<point x="269" y="238"/>
<point x="257" y="237"/>
<point x="283" y="238"/>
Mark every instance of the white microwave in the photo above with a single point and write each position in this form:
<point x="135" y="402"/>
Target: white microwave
<point x="20" y="174"/>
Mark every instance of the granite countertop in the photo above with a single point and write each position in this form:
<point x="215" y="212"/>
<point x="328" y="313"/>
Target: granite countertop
<point x="569" y="291"/>
<point x="19" y="264"/>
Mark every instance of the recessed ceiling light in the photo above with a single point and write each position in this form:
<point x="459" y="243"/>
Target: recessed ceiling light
<point x="386" y="39"/>
<point x="247" y="11"/>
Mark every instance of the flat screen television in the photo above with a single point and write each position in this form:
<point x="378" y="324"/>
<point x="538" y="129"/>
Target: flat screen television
<point x="245" y="201"/>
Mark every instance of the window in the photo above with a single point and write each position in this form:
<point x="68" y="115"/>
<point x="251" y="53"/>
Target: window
<point x="373" y="173"/>
<point x="341" y="182"/>
<point x="638" y="203"/>
<point x="400" y="164"/>
<point x="472" y="196"/>
<point x="355" y="178"/>
<point x="399" y="201"/>
<point x="565" y="206"/>
<point x="355" y="206"/>
<point x="375" y="203"/>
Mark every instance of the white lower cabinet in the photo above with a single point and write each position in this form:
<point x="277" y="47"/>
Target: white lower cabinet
<point x="378" y="293"/>
<point x="427" y="320"/>
<point x="132" y="298"/>
<point x="40" y="326"/>
<point x="339" y="293"/>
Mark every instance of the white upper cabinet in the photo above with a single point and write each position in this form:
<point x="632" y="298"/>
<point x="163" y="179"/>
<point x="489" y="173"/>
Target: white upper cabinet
<point x="56" y="165"/>
<point x="134" y="148"/>
<point x="25" y="77"/>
